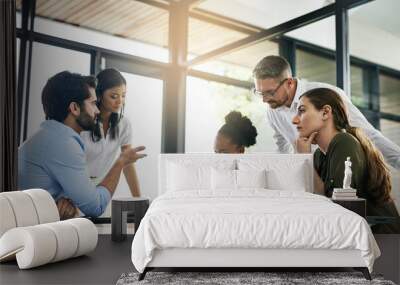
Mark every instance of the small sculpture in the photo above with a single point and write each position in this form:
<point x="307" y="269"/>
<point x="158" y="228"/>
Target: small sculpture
<point x="347" y="174"/>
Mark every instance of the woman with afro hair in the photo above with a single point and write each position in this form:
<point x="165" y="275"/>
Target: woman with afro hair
<point x="236" y="134"/>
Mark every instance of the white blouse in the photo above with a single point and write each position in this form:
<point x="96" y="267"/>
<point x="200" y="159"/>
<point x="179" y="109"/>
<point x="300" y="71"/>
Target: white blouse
<point x="102" y="154"/>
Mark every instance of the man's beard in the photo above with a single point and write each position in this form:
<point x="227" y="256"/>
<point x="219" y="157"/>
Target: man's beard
<point x="273" y="105"/>
<point x="86" y="122"/>
<point x="278" y="104"/>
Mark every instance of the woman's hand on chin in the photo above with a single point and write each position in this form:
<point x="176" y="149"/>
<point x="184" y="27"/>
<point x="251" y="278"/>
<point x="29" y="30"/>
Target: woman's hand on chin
<point x="303" y="144"/>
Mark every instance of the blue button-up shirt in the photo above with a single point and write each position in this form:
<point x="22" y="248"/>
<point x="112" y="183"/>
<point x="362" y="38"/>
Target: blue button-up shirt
<point x="54" y="159"/>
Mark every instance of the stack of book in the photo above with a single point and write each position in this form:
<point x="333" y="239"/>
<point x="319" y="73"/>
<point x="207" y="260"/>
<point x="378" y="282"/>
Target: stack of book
<point x="344" y="194"/>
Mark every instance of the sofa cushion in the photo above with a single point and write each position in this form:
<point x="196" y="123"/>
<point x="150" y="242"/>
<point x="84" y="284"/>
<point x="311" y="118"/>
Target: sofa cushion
<point x="23" y="208"/>
<point x="45" y="206"/>
<point x="40" y="244"/>
<point x="7" y="215"/>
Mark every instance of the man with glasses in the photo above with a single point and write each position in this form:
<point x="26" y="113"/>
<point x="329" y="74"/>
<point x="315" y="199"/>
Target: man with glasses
<point x="275" y="84"/>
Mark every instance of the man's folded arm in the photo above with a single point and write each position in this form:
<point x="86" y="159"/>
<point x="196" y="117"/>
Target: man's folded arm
<point x="70" y="172"/>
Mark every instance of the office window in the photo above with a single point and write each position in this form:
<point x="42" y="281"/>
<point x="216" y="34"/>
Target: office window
<point x="374" y="37"/>
<point x="18" y="19"/>
<point x="46" y="62"/>
<point x="391" y="130"/>
<point x="143" y="108"/>
<point x="389" y="94"/>
<point x="358" y="96"/>
<point x="321" y="33"/>
<point x="207" y="104"/>
<point x="373" y="32"/>
<point x="239" y="64"/>
<point x="17" y="57"/>
<point x="313" y="67"/>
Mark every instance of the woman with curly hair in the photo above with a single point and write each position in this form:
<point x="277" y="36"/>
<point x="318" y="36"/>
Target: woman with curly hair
<point x="235" y="135"/>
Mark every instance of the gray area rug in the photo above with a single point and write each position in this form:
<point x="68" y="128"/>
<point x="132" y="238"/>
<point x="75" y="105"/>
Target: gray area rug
<point x="225" y="278"/>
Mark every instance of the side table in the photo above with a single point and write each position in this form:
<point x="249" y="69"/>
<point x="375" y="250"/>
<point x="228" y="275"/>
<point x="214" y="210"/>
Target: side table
<point x="120" y="208"/>
<point x="358" y="205"/>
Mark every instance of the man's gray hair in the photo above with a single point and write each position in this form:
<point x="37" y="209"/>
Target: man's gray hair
<point x="272" y="66"/>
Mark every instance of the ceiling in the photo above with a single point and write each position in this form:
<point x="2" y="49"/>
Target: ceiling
<point x="133" y="20"/>
<point x="145" y="23"/>
<point x="263" y="13"/>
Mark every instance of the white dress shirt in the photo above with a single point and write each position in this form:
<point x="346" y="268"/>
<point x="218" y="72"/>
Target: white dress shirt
<point x="286" y="133"/>
<point x="101" y="155"/>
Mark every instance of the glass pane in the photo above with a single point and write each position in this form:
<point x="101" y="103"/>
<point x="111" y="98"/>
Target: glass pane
<point x="18" y="19"/>
<point x="18" y="13"/>
<point x="262" y="13"/>
<point x="143" y="108"/>
<point x="240" y="64"/>
<point x="389" y="94"/>
<point x="17" y="58"/>
<point x="325" y="29"/>
<point x="207" y="104"/>
<point x="395" y="178"/>
<point x="374" y="33"/>
<point x="46" y="62"/>
<point x="315" y="68"/>
<point x="391" y="130"/>
<point x="226" y="69"/>
<point x="130" y="27"/>
<point x="357" y="95"/>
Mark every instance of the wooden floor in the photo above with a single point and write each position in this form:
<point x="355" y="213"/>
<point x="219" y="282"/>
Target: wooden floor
<point x="103" y="266"/>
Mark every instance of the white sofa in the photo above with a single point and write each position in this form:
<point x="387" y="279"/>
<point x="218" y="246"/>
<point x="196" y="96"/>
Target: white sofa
<point x="31" y="231"/>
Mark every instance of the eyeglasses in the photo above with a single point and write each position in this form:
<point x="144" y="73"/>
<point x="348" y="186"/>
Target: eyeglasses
<point x="268" y="93"/>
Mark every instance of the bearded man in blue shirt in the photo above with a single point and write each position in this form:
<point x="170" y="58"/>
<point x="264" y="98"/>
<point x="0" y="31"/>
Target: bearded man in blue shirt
<point x="54" y="159"/>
